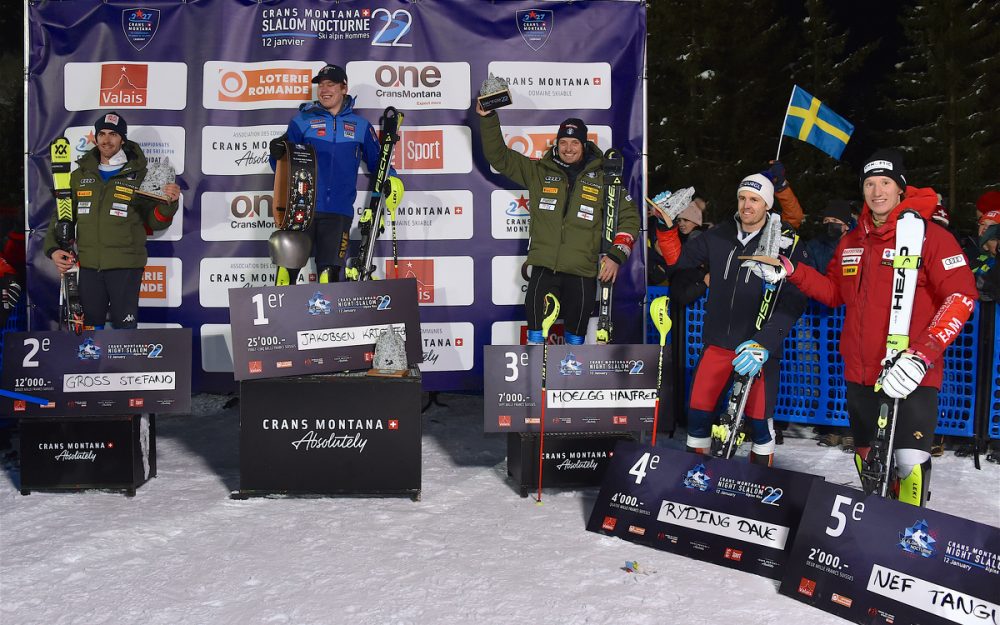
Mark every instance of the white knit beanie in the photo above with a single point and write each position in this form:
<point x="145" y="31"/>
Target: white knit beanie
<point x="760" y="185"/>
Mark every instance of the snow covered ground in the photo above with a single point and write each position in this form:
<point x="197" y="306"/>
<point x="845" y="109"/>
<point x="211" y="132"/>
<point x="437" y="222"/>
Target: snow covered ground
<point x="471" y="551"/>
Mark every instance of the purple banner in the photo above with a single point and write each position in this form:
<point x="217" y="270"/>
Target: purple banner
<point x="210" y="98"/>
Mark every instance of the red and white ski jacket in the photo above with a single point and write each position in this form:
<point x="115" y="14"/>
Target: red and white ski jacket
<point x="860" y="277"/>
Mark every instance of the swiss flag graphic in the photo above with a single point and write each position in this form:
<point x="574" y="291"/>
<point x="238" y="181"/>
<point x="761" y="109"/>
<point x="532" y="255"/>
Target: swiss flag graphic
<point x="393" y="424"/>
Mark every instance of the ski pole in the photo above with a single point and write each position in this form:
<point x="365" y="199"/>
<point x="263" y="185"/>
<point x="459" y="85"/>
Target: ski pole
<point x="658" y="310"/>
<point x="23" y="397"/>
<point x="552" y="306"/>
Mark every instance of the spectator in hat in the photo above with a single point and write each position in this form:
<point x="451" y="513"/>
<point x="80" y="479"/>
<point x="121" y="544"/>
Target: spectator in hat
<point x="836" y="222"/>
<point x="341" y="139"/>
<point x="112" y="222"/>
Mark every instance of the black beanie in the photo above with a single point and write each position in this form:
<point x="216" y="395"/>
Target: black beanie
<point x="888" y="163"/>
<point x="574" y="129"/>
<point x="111" y="121"/>
<point x="838" y="209"/>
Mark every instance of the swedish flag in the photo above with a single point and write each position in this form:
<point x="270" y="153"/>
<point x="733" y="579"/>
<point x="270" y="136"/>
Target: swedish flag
<point x="807" y="119"/>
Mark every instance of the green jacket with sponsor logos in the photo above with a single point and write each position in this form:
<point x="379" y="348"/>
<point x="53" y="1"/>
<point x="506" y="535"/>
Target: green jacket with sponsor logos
<point x="112" y="220"/>
<point x="566" y="223"/>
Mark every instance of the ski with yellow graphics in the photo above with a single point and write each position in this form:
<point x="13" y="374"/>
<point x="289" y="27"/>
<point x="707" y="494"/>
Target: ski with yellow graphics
<point x="386" y="193"/>
<point x="70" y="308"/>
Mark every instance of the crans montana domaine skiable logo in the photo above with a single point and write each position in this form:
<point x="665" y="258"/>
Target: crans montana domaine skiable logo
<point x="140" y="25"/>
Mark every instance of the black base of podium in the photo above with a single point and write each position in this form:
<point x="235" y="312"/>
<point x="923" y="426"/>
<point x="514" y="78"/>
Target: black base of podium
<point x="571" y="459"/>
<point x="334" y="434"/>
<point x="84" y="453"/>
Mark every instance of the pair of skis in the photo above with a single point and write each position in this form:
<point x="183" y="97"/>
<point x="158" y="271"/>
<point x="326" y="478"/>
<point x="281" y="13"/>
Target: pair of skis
<point x="70" y="308"/>
<point x="386" y="194"/>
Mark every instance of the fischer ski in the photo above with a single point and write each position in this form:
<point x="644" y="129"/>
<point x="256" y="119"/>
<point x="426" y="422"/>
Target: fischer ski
<point x="876" y="469"/>
<point x="386" y="194"/>
<point x="728" y="435"/>
<point x="70" y="308"/>
<point x="614" y="167"/>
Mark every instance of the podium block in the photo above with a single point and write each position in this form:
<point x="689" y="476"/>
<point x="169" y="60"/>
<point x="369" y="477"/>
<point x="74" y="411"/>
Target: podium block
<point x="571" y="459"/>
<point x="79" y="453"/>
<point x="340" y="433"/>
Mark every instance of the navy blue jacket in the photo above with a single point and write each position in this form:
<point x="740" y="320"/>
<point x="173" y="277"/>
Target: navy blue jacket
<point x="341" y="141"/>
<point x="735" y="294"/>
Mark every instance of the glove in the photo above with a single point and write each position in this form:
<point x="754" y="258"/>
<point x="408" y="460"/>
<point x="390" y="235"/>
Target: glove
<point x="767" y="273"/>
<point x="277" y="147"/>
<point x="776" y="174"/>
<point x="903" y="374"/>
<point x="10" y="292"/>
<point x="750" y="357"/>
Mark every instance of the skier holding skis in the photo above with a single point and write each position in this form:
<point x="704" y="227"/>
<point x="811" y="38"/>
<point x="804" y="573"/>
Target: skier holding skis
<point x="744" y="327"/>
<point x="112" y="224"/>
<point x="341" y="139"/>
<point x="862" y="277"/>
<point x="567" y="193"/>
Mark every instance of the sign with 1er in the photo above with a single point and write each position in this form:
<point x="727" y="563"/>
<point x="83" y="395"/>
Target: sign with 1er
<point x="100" y="372"/>
<point x="589" y="388"/>
<point x="319" y="328"/>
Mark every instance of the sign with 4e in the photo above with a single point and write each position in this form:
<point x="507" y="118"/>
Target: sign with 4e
<point x="729" y="512"/>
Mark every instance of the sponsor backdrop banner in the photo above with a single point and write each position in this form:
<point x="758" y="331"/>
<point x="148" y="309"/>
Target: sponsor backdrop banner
<point x="210" y="100"/>
<point x="877" y="561"/>
<point x="589" y="388"/>
<point x="728" y="512"/>
<point x="103" y="372"/>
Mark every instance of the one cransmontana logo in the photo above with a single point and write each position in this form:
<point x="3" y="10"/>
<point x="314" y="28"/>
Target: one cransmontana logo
<point x="89" y="350"/>
<point x="535" y="25"/>
<point x="917" y="540"/>
<point x="698" y="479"/>
<point x="140" y="25"/>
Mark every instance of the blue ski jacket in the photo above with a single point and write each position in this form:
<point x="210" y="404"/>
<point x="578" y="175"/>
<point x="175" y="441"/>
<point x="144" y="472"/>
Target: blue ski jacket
<point x="341" y="141"/>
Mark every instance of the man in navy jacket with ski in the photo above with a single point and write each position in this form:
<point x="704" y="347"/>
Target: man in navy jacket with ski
<point x="745" y="327"/>
<point x="341" y="139"/>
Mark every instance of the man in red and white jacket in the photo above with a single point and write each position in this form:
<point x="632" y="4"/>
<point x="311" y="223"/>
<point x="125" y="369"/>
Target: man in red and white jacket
<point x="860" y="276"/>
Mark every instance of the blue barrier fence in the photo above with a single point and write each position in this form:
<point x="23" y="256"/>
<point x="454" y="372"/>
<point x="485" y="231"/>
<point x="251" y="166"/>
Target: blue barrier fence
<point x="812" y="389"/>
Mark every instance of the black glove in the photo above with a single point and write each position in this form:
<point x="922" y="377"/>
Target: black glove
<point x="277" y="147"/>
<point x="10" y="292"/>
<point x="776" y="174"/>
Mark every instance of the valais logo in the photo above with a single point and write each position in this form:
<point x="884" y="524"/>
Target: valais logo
<point x="140" y="26"/>
<point x="124" y="83"/>
<point x="420" y="268"/>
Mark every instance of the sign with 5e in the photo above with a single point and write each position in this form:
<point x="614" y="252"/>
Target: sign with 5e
<point x="877" y="561"/>
<point x="102" y="372"/>
<point x="320" y="328"/>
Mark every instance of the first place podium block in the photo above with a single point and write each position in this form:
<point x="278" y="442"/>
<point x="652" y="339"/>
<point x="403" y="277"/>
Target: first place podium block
<point x="333" y="434"/>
